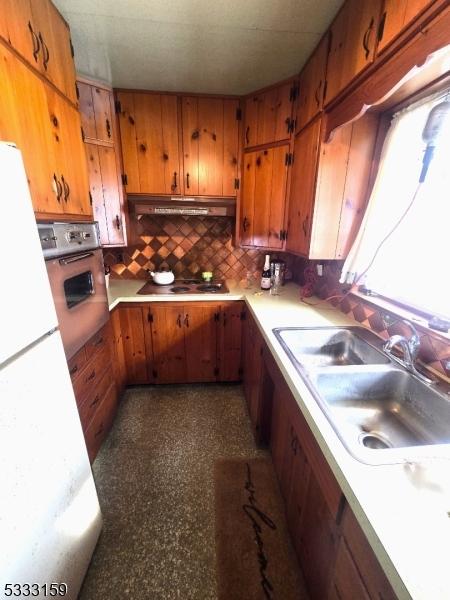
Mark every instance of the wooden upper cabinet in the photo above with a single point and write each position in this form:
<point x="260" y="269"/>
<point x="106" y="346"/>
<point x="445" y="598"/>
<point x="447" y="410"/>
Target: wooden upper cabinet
<point x="263" y="197"/>
<point x="303" y="181"/>
<point x="312" y="85"/>
<point x="329" y="188"/>
<point x="149" y="136"/>
<point x="268" y="116"/>
<point x="396" y="16"/>
<point x="210" y="145"/>
<point x="70" y="175"/>
<point x="23" y="120"/>
<point x="96" y="108"/>
<point x="98" y="121"/>
<point x="37" y="32"/>
<point x="353" y="41"/>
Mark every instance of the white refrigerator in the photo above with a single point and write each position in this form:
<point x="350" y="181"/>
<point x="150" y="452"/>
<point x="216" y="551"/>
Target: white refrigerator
<point x="50" y="518"/>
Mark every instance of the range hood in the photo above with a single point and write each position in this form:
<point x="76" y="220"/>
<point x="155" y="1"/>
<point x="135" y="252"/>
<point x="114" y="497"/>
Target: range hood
<point x="183" y="205"/>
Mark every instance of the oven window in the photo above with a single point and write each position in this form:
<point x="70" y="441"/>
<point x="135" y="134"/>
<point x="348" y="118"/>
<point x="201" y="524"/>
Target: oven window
<point x="78" y="288"/>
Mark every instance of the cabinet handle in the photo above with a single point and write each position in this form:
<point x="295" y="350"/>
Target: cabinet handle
<point x="366" y="38"/>
<point x="99" y="431"/>
<point x="187" y="180"/>
<point x="117" y="221"/>
<point x="179" y="321"/>
<point x="91" y="376"/>
<point x="175" y="184"/>
<point x="245" y="224"/>
<point x="108" y="128"/>
<point x="186" y="320"/>
<point x="95" y="400"/>
<point x="35" y="40"/>
<point x="66" y="188"/>
<point x="98" y="342"/>
<point x="46" y="57"/>
<point x="305" y="225"/>
<point x="247" y="131"/>
<point x="73" y="370"/>
<point x="57" y="188"/>
<point x="142" y="147"/>
<point x="381" y="26"/>
<point x="316" y="94"/>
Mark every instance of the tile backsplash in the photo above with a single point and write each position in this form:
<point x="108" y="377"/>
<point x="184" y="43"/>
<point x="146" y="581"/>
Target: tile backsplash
<point x="188" y="246"/>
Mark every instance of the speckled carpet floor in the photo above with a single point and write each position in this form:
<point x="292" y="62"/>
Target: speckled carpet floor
<point x="155" y="480"/>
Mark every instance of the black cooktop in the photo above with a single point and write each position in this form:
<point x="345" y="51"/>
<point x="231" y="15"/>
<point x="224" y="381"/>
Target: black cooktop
<point x="184" y="286"/>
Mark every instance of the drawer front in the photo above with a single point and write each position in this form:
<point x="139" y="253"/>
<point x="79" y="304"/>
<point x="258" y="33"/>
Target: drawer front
<point x="91" y="375"/>
<point x="101" y="423"/>
<point x="98" y="342"/>
<point x="76" y="364"/>
<point x="89" y="405"/>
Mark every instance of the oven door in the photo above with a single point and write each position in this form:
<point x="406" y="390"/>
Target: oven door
<point x="79" y="292"/>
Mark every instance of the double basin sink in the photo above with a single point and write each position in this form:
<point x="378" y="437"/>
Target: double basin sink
<point x="381" y="412"/>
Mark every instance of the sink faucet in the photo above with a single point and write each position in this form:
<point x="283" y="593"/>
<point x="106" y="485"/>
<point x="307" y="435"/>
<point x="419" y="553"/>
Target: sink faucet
<point x="410" y="348"/>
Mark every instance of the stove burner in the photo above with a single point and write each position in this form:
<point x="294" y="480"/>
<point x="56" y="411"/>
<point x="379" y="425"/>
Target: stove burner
<point x="210" y="287"/>
<point x="180" y="289"/>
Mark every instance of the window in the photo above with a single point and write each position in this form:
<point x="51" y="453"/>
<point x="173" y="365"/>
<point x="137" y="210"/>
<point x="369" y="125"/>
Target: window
<point x="403" y="248"/>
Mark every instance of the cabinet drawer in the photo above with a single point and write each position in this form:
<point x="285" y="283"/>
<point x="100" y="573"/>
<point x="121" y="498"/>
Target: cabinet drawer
<point x="90" y="404"/>
<point x="76" y="363"/>
<point x="91" y="374"/>
<point x="98" y="342"/>
<point x="101" y="422"/>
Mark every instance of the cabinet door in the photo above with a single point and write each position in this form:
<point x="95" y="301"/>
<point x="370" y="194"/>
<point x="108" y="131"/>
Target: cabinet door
<point x="101" y="100"/>
<point x="156" y="123"/>
<point x="165" y="334"/>
<point x="264" y="197"/>
<point x="22" y="33"/>
<point x="134" y="344"/>
<point x="118" y="354"/>
<point x="312" y="85"/>
<point x="96" y="190"/>
<point x="346" y="583"/>
<point x="201" y="341"/>
<point x="296" y="500"/>
<point x="230" y="346"/>
<point x="267" y="116"/>
<point x="210" y="146"/>
<point x="318" y="541"/>
<point x="396" y="16"/>
<point x="61" y="63"/>
<point x="353" y="41"/>
<point x="33" y="134"/>
<point x="127" y="126"/>
<point x="302" y="189"/>
<point x="111" y="195"/>
<point x="280" y="439"/>
<point x="86" y="106"/>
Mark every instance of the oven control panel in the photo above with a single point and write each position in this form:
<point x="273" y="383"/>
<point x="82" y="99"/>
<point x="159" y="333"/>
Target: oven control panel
<point x="59" y="239"/>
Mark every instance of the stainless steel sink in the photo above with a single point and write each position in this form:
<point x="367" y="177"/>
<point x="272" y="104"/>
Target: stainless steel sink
<point x="381" y="412"/>
<point x="385" y="408"/>
<point x="328" y="346"/>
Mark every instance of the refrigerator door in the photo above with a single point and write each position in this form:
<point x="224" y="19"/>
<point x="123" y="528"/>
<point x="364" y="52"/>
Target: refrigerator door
<point x="26" y="304"/>
<point x="49" y="513"/>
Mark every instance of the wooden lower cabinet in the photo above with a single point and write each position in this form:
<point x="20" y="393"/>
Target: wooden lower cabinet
<point x="334" y="554"/>
<point x="175" y="342"/>
<point x="93" y="373"/>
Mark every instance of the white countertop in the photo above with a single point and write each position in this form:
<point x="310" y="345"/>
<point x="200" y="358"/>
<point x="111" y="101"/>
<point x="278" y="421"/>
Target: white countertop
<point x="403" y="508"/>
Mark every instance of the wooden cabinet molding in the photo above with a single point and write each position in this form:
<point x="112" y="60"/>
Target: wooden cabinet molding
<point x="395" y="75"/>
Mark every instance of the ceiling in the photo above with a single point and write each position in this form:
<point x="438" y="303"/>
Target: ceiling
<point x="217" y="47"/>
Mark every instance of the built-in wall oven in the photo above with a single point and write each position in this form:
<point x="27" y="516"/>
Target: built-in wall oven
<point x="75" y="269"/>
